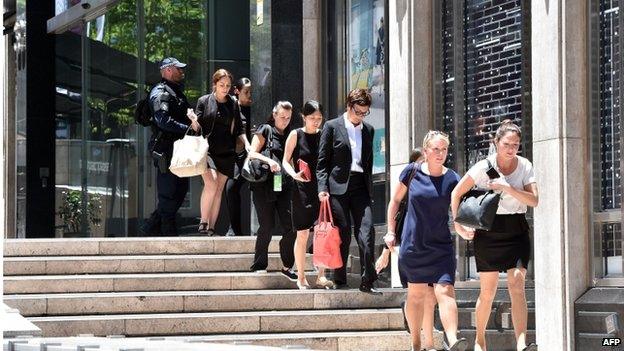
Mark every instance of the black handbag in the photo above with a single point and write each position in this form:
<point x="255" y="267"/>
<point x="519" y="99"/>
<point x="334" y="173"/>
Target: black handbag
<point x="477" y="208"/>
<point x="399" y="217"/>
<point x="255" y="170"/>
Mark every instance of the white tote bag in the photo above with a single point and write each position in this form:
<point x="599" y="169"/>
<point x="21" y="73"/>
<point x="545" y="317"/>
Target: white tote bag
<point x="190" y="156"/>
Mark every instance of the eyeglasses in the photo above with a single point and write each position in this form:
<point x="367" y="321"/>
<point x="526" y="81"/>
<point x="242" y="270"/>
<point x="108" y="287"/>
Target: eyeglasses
<point x="360" y="113"/>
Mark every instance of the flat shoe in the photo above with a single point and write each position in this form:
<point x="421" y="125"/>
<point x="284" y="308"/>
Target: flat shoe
<point x="460" y="345"/>
<point x="324" y="283"/>
<point x="302" y="286"/>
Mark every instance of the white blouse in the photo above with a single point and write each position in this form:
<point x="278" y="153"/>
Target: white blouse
<point x="521" y="176"/>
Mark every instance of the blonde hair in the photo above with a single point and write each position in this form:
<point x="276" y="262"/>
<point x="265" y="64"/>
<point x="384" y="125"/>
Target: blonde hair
<point x="435" y="133"/>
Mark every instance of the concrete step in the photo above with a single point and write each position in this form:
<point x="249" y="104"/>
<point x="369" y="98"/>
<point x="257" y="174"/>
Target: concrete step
<point x="222" y="322"/>
<point x="497" y="340"/>
<point x="128" y="344"/>
<point x="497" y="321"/>
<point x="199" y="301"/>
<point x="387" y="340"/>
<point x="148" y="282"/>
<point x="41" y="265"/>
<point x="133" y="246"/>
<point x="331" y="341"/>
<point x="596" y="322"/>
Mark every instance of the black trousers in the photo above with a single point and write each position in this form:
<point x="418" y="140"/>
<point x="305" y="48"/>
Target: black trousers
<point x="355" y="204"/>
<point x="233" y="189"/>
<point x="171" y="192"/>
<point x="268" y="207"/>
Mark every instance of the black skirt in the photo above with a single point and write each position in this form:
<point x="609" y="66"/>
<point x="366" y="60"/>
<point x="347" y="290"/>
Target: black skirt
<point x="504" y="247"/>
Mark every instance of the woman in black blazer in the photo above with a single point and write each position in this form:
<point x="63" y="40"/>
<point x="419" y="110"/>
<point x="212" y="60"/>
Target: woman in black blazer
<point x="219" y="116"/>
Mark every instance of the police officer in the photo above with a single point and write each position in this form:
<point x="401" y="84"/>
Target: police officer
<point x="171" y="121"/>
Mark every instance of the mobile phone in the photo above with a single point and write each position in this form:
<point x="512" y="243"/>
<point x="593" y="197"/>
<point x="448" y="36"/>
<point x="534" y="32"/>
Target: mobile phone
<point x="492" y="173"/>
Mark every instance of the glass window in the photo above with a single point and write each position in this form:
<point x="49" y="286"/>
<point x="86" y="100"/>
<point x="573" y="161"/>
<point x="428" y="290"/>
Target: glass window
<point x="355" y="58"/>
<point x="68" y="120"/>
<point x="366" y="58"/>
<point x="102" y="157"/>
<point x="111" y="142"/>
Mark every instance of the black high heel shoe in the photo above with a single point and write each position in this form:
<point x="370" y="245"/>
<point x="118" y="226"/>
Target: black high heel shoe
<point x="203" y="228"/>
<point x="530" y="347"/>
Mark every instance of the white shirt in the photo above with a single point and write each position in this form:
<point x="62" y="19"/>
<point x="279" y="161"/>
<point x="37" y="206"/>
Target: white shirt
<point x="355" y="139"/>
<point x="521" y="176"/>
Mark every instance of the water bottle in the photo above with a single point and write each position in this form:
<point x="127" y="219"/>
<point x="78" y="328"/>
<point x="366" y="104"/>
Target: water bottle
<point x="277" y="181"/>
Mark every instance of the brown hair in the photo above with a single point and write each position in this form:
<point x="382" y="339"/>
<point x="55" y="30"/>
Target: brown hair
<point x="507" y="126"/>
<point x="359" y="97"/>
<point x="416" y="154"/>
<point x="221" y="73"/>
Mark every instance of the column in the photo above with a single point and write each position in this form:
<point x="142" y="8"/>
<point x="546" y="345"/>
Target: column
<point x="312" y="51"/>
<point x="410" y="47"/>
<point x="560" y="113"/>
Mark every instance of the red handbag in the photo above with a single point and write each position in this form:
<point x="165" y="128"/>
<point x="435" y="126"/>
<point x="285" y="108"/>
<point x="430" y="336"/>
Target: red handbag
<point x="326" y="252"/>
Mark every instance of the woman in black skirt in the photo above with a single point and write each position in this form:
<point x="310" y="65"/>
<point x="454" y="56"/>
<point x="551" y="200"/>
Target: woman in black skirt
<point x="505" y="248"/>
<point x="302" y="144"/>
<point x="219" y="116"/>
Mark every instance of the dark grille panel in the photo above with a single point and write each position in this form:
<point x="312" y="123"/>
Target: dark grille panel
<point x="493" y="71"/>
<point x="610" y="105"/>
<point x="448" y="78"/>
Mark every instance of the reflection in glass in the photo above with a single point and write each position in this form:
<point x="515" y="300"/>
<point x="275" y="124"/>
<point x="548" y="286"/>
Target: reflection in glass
<point x="68" y="119"/>
<point x="366" y="59"/>
<point x="260" y="61"/>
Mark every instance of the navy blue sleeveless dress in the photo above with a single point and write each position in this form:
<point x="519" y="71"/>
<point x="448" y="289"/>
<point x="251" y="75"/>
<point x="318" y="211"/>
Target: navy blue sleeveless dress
<point x="427" y="254"/>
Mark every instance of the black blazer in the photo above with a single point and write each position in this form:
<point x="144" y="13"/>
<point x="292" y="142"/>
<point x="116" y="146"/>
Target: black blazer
<point x="334" y="159"/>
<point x="206" y="111"/>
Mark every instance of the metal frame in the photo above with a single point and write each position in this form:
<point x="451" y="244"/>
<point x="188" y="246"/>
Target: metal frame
<point x="86" y="11"/>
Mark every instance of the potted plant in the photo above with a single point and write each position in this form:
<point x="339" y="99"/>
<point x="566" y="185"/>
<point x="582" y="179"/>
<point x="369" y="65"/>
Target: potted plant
<point x="71" y="211"/>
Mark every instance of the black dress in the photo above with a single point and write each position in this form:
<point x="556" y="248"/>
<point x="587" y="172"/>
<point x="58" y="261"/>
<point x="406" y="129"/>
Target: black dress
<point x="221" y="123"/>
<point x="305" y="202"/>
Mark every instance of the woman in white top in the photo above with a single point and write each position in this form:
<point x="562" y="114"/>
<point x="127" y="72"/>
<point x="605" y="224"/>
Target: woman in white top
<point x="506" y="247"/>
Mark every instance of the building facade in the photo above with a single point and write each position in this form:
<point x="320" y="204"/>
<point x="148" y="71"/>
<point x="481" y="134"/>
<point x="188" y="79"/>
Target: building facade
<point x="76" y="69"/>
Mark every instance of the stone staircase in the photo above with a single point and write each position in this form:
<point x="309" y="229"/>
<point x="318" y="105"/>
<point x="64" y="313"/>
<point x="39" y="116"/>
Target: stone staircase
<point x="499" y="332"/>
<point x="599" y="315"/>
<point x="196" y="289"/>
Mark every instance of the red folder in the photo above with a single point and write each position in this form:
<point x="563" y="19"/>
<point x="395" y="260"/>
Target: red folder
<point x="303" y="166"/>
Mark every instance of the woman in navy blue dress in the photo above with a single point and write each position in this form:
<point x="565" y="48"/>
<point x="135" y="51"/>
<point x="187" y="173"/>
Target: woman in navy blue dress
<point x="427" y="256"/>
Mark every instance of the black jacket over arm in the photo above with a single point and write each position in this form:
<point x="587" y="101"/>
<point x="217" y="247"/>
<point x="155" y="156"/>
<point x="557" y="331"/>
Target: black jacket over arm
<point x="334" y="159"/>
